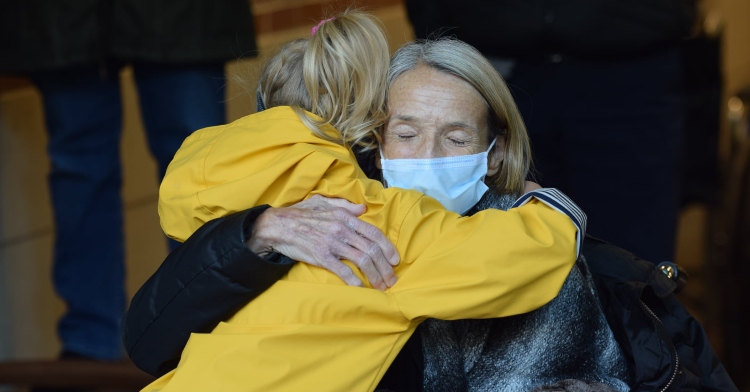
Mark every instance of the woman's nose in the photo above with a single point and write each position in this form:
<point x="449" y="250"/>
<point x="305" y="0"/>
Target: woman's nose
<point x="430" y="149"/>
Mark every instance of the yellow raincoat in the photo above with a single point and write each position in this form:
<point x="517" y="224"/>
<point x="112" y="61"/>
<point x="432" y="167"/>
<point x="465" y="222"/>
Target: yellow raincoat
<point x="310" y="331"/>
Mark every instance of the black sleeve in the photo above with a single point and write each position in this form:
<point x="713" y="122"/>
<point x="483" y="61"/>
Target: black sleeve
<point x="204" y="281"/>
<point x="406" y="373"/>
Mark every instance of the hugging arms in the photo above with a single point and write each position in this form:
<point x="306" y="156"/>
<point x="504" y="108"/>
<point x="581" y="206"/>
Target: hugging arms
<point x="215" y="273"/>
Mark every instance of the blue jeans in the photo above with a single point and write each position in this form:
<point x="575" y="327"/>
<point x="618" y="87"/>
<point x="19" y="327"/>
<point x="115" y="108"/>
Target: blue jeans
<point x="84" y="120"/>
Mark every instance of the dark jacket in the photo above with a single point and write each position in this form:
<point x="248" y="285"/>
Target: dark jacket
<point x="537" y="28"/>
<point x="666" y="346"/>
<point x="213" y="274"/>
<point x="38" y="35"/>
<point x="206" y="279"/>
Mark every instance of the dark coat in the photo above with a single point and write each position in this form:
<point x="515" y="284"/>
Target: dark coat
<point x="213" y="274"/>
<point x="206" y="279"/>
<point x="666" y="346"/>
<point x="38" y="35"/>
<point x="537" y="28"/>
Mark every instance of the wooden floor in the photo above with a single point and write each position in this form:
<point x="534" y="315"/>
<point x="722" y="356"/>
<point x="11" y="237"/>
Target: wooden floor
<point x="121" y="376"/>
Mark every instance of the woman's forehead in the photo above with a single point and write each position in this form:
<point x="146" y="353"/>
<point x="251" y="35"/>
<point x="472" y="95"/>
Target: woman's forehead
<point x="428" y="97"/>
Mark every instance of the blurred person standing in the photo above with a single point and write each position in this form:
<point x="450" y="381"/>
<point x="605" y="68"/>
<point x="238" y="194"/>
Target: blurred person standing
<point x="73" y="51"/>
<point x="600" y="87"/>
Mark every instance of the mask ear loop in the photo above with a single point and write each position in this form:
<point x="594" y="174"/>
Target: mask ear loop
<point x="260" y="105"/>
<point x="382" y="160"/>
<point x="492" y="145"/>
<point x="488" y="156"/>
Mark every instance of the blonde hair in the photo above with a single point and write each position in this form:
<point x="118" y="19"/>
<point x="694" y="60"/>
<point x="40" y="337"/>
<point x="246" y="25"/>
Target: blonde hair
<point x="338" y="74"/>
<point x="464" y="61"/>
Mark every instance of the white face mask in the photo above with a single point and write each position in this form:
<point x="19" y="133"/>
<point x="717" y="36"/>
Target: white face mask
<point x="456" y="182"/>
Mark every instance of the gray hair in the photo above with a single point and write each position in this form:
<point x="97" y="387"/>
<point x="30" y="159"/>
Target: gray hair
<point x="462" y="60"/>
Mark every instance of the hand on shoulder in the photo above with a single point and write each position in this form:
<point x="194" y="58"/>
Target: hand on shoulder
<point x="323" y="231"/>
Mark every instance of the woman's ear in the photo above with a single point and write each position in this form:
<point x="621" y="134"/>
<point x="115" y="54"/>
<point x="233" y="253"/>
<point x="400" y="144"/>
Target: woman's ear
<point x="496" y="156"/>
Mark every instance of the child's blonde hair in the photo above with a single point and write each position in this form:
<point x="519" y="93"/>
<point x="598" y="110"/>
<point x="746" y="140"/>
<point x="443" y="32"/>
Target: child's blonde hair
<point x="338" y="73"/>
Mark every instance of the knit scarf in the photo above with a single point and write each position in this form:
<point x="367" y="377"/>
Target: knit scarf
<point x="566" y="344"/>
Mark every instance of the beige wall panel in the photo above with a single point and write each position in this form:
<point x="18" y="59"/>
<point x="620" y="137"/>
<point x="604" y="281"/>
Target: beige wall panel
<point x="736" y="16"/>
<point x="29" y="308"/>
<point x="145" y="245"/>
<point x="24" y="202"/>
<point x="242" y="80"/>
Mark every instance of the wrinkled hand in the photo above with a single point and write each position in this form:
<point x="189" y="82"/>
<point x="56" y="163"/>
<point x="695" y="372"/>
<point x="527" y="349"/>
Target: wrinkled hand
<point x="322" y="231"/>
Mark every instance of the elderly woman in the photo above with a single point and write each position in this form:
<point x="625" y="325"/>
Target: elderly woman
<point x="442" y="105"/>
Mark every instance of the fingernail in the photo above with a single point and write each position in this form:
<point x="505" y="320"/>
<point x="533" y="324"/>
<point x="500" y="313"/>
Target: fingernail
<point x="393" y="281"/>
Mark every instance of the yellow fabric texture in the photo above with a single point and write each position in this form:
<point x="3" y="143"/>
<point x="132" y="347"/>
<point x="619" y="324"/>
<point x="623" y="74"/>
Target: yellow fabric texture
<point x="310" y="331"/>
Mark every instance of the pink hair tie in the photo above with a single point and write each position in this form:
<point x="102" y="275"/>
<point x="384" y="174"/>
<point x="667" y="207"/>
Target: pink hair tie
<point x="317" y="26"/>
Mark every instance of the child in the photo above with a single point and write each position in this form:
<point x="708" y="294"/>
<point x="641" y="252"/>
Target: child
<point x="310" y="330"/>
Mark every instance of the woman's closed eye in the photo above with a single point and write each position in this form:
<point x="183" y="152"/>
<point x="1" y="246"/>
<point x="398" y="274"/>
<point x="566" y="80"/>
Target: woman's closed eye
<point x="401" y="133"/>
<point x="459" y="138"/>
<point x="459" y="142"/>
<point x="405" y="136"/>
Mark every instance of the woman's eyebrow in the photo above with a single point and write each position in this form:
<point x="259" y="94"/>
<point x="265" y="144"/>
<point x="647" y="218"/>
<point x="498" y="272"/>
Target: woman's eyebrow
<point x="463" y="125"/>
<point x="404" y="117"/>
<point x="453" y="124"/>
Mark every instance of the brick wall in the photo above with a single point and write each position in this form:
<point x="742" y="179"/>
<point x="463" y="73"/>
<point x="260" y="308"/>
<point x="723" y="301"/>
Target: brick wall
<point x="276" y="15"/>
